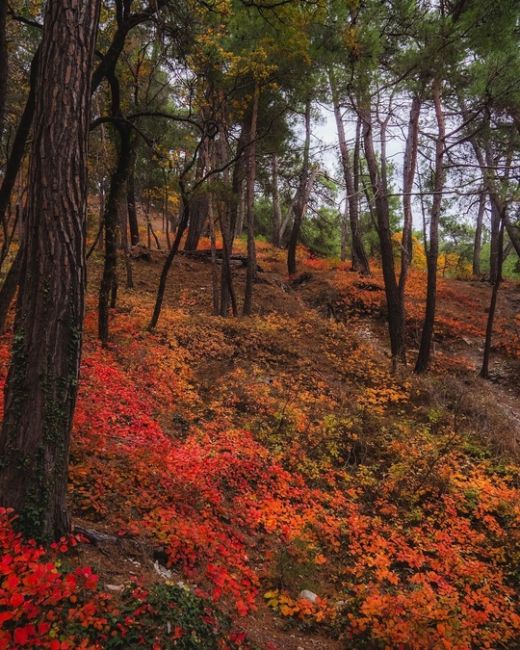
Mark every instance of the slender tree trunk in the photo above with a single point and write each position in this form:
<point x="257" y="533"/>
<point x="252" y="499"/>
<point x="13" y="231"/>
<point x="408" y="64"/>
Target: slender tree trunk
<point x="396" y="325"/>
<point x="409" y="167"/>
<point x="359" y="257"/>
<point x="8" y="290"/>
<point x="513" y="232"/>
<point x="484" y="371"/>
<point x="183" y="224"/>
<point x="344" y="233"/>
<point x="250" y="198"/>
<point x="423" y="358"/>
<point x="494" y="244"/>
<point x="198" y="210"/>
<point x="116" y="197"/>
<point x="41" y="388"/>
<point x="277" y="213"/>
<point x="477" y="245"/>
<point x="18" y="149"/>
<point x="132" y="206"/>
<point x="227" y="290"/>
<point x="300" y="200"/>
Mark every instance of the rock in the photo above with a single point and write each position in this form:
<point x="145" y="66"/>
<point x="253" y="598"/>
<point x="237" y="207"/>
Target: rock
<point x="115" y="588"/>
<point x="162" y="571"/>
<point x="308" y="595"/>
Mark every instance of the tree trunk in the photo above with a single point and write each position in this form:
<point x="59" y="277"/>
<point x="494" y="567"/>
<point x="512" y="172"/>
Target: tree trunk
<point x="197" y="210"/>
<point x="396" y="325"/>
<point x="116" y="197"/>
<point x="132" y="206"/>
<point x="9" y="287"/>
<point x="250" y="198"/>
<point x="409" y="167"/>
<point x="41" y="387"/>
<point x="183" y="224"/>
<point x="359" y="257"/>
<point x="423" y="359"/>
<point x="277" y="213"/>
<point x="477" y="245"/>
<point x="300" y="199"/>
<point x="494" y="244"/>
<point x="4" y="64"/>
<point x="484" y="371"/>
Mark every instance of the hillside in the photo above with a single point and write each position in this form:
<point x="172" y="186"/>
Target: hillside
<point x="221" y="466"/>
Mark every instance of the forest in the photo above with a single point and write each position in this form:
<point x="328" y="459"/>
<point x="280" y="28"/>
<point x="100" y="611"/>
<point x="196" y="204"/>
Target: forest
<point x="260" y="324"/>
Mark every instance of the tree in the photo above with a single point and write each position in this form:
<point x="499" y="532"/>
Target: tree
<point x="43" y="376"/>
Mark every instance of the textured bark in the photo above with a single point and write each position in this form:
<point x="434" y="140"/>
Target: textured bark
<point x="300" y="203"/>
<point x="409" y="167"/>
<point x="396" y="325"/>
<point x="4" y="64"/>
<point x="477" y="245"/>
<point x="423" y="358"/>
<point x="250" y="197"/>
<point x="43" y="376"/>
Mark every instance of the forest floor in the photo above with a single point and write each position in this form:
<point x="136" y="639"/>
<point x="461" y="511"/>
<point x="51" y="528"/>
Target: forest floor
<point x="248" y="459"/>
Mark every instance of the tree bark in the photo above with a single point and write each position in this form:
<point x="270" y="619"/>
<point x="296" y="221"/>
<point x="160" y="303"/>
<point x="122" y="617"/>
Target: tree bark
<point x="300" y="199"/>
<point x="359" y="257"/>
<point x="409" y="167"/>
<point x="484" y="371"/>
<point x="277" y="213"/>
<point x="423" y="358"/>
<point x="4" y="64"/>
<point x="396" y="324"/>
<point x="477" y="244"/>
<point x="43" y="376"/>
<point x="250" y="198"/>
<point x="183" y="224"/>
<point x="132" y="206"/>
<point x="116" y="196"/>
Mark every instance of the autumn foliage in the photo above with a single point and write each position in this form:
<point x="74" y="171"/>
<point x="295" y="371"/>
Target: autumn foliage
<point x="251" y="456"/>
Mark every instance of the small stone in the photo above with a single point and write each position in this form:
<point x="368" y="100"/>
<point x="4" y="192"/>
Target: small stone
<point x="308" y="595"/>
<point x="115" y="588"/>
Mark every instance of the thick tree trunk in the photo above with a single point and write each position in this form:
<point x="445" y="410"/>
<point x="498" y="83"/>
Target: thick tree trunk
<point x="300" y="203"/>
<point x="42" y="383"/>
<point x="4" y="64"/>
<point x="409" y="167"/>
<point x="250" y="198"/>
<point x="423" y="358"/>
<point x="477" y="244"/>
